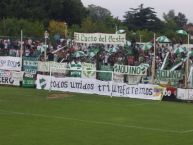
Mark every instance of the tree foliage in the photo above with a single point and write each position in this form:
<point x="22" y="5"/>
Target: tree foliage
<point x="56" y="27"/>
<point x="178" y="21"/>
<point x="36" y="16"/>
<point x="71" y="11"/>
<point x="98" y="13"/>
<point x="91" y="26"/>
<point x="13" y="26"/>
<point x="142" y="18"/>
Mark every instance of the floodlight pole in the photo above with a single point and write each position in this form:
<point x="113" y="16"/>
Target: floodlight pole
<point x="140" y="38"/>
<point x="115" y="29"/>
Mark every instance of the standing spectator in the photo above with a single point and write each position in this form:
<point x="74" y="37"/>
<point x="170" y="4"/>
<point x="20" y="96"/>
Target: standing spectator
<point x="6" y="50"/>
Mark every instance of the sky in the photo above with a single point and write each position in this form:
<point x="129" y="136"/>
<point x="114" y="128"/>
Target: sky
<point x="119" y="7"/>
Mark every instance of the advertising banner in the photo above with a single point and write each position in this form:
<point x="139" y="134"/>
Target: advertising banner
<point x="18" y="75"/>
<point x="28" y="83"/>
<point x="6" y="78"/>
<point x="29" y="80"/>
<point x="185" y="94"/>
<point x="30" y="65"/>
<point x="170" y="94"/>
<point x="10" y="63"/>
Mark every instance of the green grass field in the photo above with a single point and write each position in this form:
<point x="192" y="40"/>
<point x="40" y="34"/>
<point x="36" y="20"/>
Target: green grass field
<point x="37" y="117"/>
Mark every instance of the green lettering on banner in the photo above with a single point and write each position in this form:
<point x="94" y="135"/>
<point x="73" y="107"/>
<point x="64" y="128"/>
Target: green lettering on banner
<point x="130" y="70"/>
<point x="167" y="74"/>
<point x="105" y="76"/>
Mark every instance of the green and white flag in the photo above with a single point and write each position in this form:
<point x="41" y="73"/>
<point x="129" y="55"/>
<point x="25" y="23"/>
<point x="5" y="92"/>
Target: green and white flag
<point x="165" y="62"/>
<point x="76" y="69"/>
<point x="168" y="75"/>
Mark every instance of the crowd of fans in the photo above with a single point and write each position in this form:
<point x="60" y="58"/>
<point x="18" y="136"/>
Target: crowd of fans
<point x="63" y="51"/>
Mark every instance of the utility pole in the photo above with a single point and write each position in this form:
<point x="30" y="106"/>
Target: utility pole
<point x="21" y="48"/>
<point x="140" y="38"/>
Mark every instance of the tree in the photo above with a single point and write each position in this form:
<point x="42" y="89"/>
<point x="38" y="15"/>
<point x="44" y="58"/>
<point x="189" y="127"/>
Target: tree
<point x="181" y="20"/>
<point x="56" y="27"/>
<point x="3" y="9"/>
<point x="169" y="16"/>
<point x="88" y="25"/>
<point x="178" y="21"/>
<point x="74" y="11"/>
<point x="142" y="18"/>
<point x="12" y="27"/>
<point x="102" y="21"/>
<point x="98" y="13"/>
<point x="71" y="11"/>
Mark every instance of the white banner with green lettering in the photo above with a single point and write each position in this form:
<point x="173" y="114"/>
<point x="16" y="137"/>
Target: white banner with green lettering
<point x="168" y="76"/>
<point x="118" y="77"/>
<point x="101" y="38"/>
<point x="54" y="66"/>
<point x="30" y="64"/>
<point x="130" y="70"/>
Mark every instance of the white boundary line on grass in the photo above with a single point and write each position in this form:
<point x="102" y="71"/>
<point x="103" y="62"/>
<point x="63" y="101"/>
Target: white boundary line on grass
<point x="97" y="122"/>
<point x="132" y="105"/>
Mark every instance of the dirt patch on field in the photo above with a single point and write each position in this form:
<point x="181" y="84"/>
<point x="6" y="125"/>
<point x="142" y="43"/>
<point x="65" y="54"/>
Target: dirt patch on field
<point x="58" y="96"/>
